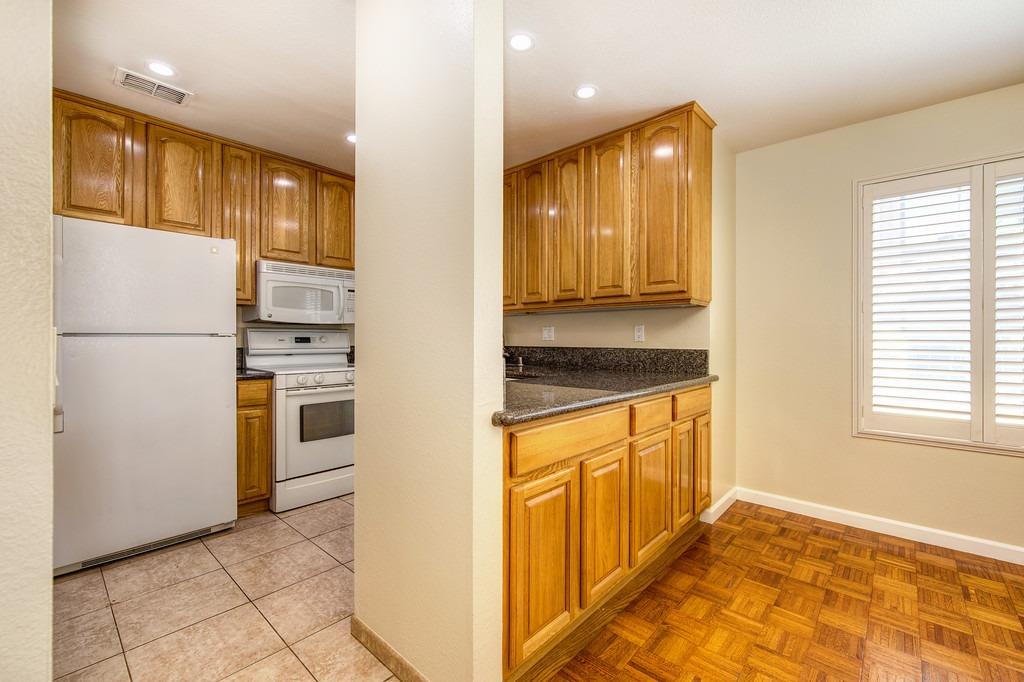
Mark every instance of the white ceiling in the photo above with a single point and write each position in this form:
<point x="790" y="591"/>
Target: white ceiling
<point x="281" y="76"/>
<point x="263" y="71"/>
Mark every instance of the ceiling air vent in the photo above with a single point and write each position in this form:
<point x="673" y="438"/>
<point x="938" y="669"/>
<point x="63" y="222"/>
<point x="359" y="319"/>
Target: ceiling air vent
<point x="150" y="86"/>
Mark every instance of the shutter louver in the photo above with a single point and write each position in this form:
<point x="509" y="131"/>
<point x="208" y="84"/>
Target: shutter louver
<point x="1008" y="307"/>
<point x="921" y="304"/>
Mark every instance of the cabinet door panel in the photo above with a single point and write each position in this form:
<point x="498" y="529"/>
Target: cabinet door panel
<point x="682" y="475"/>
<point x="662" y="251"/>
<point x="566" y="213"/>
<point x="604" y="492"/>
<point x="543" y="561"/>
<point x="238" y="220"/>
<point x="702" y="447"/>
<point x="650" y="501"/>
<point x="286" y="210"/>
<point x="534" y="234"/>
<point x="335" y="221"/>
<point x="609" y="225"/>
<point x="181" y="183"/>
<point x="92" y="153"/>
<point x="253" y="426"/>
<point x="510" y="215"/>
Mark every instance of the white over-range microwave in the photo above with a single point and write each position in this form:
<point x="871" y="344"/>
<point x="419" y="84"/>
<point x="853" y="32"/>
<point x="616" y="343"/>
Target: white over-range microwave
<point x="303" y="294"/>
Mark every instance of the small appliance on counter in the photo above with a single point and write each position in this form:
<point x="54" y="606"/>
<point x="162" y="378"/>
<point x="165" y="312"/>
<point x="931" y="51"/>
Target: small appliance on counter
<point x="302" y="294"/>
<point x="144" y="411"/>
<point x="314" y="411"/>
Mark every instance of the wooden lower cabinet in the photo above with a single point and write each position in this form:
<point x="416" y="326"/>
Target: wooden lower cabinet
<point x="543" y="562"/>
<point x="592" y="500"/>
<point x="254" y="446"/>
<point x="702" y="448"/>
<point x="604" y="516"/>
<point x="682" y="474"/>
<point x="650" y="495"/>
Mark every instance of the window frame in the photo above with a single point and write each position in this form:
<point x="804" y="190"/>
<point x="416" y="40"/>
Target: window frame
<point x="981" y="174"/>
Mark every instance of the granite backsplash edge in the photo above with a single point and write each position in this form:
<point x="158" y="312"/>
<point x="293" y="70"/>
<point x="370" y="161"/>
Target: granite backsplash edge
<point x="664" y="360"/>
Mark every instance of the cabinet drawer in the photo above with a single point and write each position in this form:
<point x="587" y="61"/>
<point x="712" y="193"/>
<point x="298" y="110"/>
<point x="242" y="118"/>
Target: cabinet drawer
<point x="692" y="402"/>
<point x="650" y="414"/>
<point x="253" y="393"/>
<point x="531" y="449"/>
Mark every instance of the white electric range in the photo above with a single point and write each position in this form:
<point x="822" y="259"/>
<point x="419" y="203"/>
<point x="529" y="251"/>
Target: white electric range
<point x="314" y="412"/>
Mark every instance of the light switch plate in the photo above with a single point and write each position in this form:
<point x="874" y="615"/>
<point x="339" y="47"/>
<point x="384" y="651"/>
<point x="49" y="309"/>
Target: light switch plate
<point x="547" y="333"/>
<point x="638" y="333"/>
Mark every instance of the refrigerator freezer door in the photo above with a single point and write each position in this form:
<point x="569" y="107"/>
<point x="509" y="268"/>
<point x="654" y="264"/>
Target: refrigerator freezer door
<point x="148" y="447"/>
<point x="113" y="279"/>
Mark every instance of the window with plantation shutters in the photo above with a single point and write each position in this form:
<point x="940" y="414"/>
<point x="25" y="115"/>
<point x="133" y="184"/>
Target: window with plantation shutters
<point x="941" y="307"/>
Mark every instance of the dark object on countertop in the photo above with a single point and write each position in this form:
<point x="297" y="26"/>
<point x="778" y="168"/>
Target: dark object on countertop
<point x="655" y="360"/>
<point x="239" y="358"/>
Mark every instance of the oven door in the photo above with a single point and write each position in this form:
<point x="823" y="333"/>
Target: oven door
<point x="315" y="430"/>
<point x="300" y="301"/>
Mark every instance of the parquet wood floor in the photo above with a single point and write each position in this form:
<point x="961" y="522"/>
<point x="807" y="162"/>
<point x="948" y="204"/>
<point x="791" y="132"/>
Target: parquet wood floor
<point x="770" y="595"/>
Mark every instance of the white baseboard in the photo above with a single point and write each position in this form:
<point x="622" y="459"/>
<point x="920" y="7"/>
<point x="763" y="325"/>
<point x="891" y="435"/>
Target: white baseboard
<point x="879" y="524"/>
<point x="711" y="514"/>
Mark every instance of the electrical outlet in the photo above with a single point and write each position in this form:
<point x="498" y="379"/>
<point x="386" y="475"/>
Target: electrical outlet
<point x="638" y="333"/>
<point x="547" y="333"/>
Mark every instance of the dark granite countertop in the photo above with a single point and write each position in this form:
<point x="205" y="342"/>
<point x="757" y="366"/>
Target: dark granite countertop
<point x="247" y="373"/>
<point x="535" y="392"/>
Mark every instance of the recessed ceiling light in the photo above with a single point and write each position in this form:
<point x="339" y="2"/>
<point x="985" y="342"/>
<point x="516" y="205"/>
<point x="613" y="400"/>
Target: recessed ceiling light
<point x="160" y="68"/>
<point x="351" y="137"/>
<point x="585" y="91"/>
<point x="520" y="42"/>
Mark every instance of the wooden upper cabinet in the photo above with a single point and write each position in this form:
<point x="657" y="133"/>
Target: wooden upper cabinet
<point x="534" y="234"/>
<point x="182" y="182"/>
<point x="604" y="512"/>
<point x="682" y="474"/>
<point x="335" y="221"/>
<point x="510" y="215"/>
<point x="239" y="192"/>
<point x="650" y="495"/>
<point x="92" y="163"/>
<point x="566" y="214"/>
<point x="543" y="561"/>
<point x="609" y="227"/>
<point x="286" y="210"/>
<point x="661" y="206"/>
<point x="702" y="453"/>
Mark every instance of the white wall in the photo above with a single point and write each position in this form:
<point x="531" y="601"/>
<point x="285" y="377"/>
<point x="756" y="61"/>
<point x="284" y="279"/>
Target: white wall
<point x="794" y="263"/>
<point x="26" y="425"/>
<point x="429" y="162"/>
<point x="712" y="327"/>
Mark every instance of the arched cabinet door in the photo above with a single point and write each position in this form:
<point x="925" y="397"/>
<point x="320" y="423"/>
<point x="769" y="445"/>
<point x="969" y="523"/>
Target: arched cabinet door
<point x="566" y="214"/>
<point x="662" y="247"/>
<point x="92" y="163"/>
<point x="609" y="239"/>
<point x="335" y="221"/>
<point x="286" y="210"/>
<point x="510" y="201"/>
<point x="183" y="179"/>
<point x="239" y="199"/>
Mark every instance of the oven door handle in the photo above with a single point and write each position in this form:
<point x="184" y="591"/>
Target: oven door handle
<point x="322" y="391"/>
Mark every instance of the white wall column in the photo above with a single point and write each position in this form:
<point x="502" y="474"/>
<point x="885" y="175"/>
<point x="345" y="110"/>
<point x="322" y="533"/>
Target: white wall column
<point x="428" y="209"/>
<point x="26" y="424"/>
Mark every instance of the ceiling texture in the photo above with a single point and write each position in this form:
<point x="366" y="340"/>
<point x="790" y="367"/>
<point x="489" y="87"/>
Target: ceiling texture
<point x="767" y="71"/>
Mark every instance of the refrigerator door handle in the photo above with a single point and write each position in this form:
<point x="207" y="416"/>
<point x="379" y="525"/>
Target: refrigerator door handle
<point x="58" y="388"/>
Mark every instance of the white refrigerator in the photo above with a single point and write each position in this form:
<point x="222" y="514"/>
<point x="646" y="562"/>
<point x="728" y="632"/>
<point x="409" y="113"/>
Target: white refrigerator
<point x="144" y="414"/>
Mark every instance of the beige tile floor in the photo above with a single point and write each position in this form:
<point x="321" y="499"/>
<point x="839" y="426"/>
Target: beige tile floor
<point x="268" y="600"/>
